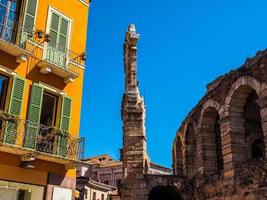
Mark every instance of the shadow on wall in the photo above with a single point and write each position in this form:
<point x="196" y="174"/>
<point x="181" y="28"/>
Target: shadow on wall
<point x="165" y="193"/>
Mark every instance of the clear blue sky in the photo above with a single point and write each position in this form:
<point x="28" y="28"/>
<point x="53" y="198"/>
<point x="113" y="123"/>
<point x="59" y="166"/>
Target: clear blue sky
<point x="184" y="45"/>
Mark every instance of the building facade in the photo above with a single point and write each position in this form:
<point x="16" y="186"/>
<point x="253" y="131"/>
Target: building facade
<point x="219" y="151"/>
<point x="90" y="189"/>
<point x="42" y="60"/>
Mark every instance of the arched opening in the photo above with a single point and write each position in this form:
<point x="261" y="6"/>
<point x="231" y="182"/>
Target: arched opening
<point x="212" y="146"/>
<point x="178" y="157"/>
<point x="246" y="127"/>
<point x="190" y="158"/>
<point x="253" y="128"/>
<point x="165" y="192"/>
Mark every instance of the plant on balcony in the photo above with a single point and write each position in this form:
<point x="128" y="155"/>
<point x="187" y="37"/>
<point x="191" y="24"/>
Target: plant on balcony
<point x="9" y="126"/>
<point x="58" y="140"/>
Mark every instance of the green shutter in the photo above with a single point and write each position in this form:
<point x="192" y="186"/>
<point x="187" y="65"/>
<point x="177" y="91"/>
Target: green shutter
<point x="65" y="113"/>
<point x="64" y="125"/>
<point x="17" y="96"/>
<point x="15" y="107"/>
<point x="32" y="127"/>
<point x="29" y="18"/>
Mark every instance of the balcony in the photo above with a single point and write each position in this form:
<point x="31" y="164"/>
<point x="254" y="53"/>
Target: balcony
<point x="14" y="40"/>
<point x="61" y="62"/>
<point x="21" y="137"/>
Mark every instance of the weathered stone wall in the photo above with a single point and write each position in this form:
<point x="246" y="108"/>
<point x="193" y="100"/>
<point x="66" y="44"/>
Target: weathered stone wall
<point x="228" y="127"/>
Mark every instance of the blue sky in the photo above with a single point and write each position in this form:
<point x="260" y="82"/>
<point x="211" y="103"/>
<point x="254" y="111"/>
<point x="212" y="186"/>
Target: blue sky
<point x="184" y="45"/>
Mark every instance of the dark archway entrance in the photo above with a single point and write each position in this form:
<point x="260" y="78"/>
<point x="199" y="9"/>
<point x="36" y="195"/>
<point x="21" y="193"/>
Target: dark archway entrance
<point x="165" y="193"/>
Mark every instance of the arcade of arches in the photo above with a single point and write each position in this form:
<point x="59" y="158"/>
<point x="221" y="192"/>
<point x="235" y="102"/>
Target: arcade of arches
<point x="227" y="129"/>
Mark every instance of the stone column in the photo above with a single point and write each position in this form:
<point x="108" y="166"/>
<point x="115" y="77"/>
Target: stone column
<point x="262" y="102"/>
<point x="200" y="160"/>
<point x="233" y="139"/>
<point x="226" y="139"/>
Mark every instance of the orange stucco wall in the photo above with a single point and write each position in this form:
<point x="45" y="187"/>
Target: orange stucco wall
<point x="78" y="12"/>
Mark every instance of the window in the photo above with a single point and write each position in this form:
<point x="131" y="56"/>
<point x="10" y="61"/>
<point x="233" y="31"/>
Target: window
<point x="47" y="120"/>
<point x="24" y="195"/>
<point x="85" y="193"/>
<point x="9" y="14"/>
<point x="102" y="196"/>
<point x="3" y="91"/>
<point x="48" y="111"/>
<point x="106" y="182"/>
<point x="9" y="18"/>
<point x="94" y="195"/>
<point x="59" y="32"/>
<point x="57" y="47"/>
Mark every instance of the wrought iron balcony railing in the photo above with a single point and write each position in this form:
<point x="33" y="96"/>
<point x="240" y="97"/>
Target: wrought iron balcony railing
<point x="63" y="58"/>
<point x="29" y="135"/>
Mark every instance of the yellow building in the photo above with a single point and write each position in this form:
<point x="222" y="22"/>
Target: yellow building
<point x="42" y="44"/>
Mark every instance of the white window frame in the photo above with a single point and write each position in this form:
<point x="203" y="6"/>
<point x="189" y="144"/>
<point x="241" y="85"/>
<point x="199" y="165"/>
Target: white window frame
<point x="51" y="10"/>
<point x="85" y="3"/>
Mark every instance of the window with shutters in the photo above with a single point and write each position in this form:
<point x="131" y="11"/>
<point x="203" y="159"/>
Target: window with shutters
<point x="59" y="31"/>
<point x="3" y="91"/>
<point x="42" y="121"/>
<point x="10" y="27"/>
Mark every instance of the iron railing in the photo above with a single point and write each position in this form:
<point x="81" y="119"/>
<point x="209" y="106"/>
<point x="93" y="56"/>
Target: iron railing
<point x="15" y="33"/>
<point x="64" y="58"/>
<point x="38" y="137"/>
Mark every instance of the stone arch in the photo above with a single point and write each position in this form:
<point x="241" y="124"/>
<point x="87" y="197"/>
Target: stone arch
<point x="211" y="103"/>
<point x="190" y="151"/>
<point x="245" y="119"/>
<point x="178" y="157"/>
<point x="169" y="192"/>
<point x="211" y="139"/>
<point x="243" y="81"/>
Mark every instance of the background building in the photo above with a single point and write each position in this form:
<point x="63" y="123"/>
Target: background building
<point x="42" y="44"/>
<point x="90" y="189"/>
<point x="109" y="171"/>
<point x="103" y="175"/>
